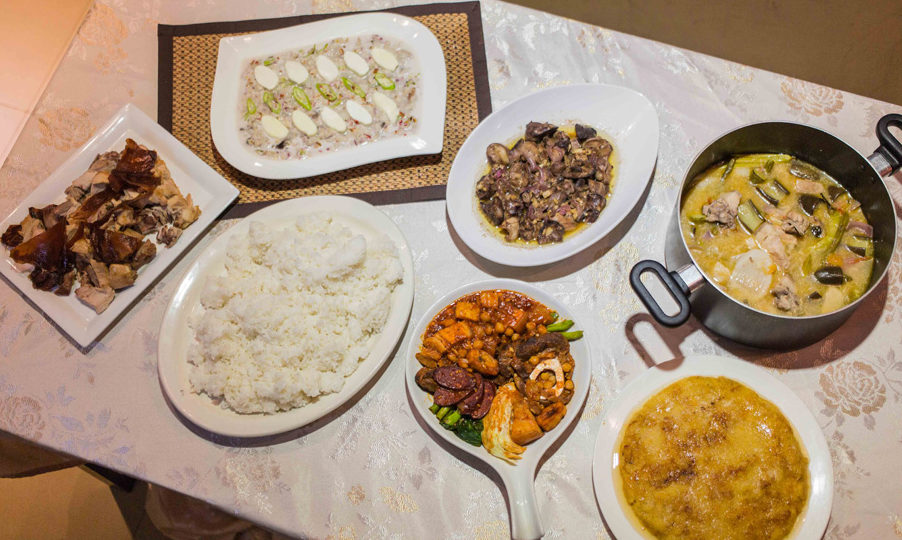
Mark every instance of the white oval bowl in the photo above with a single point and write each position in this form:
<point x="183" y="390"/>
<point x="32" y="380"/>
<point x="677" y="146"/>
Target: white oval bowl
<point x="623" y="116"/>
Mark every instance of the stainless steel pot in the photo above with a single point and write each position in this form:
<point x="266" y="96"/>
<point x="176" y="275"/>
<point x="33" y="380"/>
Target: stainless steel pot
<point x="735" y="320"/>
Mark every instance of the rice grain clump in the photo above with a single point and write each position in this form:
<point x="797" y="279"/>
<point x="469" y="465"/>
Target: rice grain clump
<point x="292" y="315"/>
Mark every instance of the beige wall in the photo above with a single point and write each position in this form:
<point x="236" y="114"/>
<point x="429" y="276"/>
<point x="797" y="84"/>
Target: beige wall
<point x="854" y="45"/>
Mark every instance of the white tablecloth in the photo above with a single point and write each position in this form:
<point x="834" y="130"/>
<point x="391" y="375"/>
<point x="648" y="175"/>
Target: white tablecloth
<point x="371" y="472"/>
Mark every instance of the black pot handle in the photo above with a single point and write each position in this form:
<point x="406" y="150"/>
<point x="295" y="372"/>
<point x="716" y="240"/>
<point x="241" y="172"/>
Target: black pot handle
<point x="675" y="285"/>
<point x="890" y="147"/>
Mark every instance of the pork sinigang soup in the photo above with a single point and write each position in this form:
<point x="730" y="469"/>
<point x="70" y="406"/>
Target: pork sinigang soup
<point x="778" y="234"/>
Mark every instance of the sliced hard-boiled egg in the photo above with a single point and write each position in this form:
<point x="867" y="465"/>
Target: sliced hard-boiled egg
<point x="356" y="63"/>
<point x="384" y="58"/>
<point x="358" y="112"/>
<point x="296" y="71"/>
<point x="753" y="273"/>
<point x="333" y="119"/>
<point x="387" y="105"/>
<point x="326" y="68"/>
<point x="303" y="122"/>
<point x="266" y="77"/>
<point x="274" y="128"/>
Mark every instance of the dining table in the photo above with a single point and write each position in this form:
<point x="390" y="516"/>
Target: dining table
<point x="369" y="470"/>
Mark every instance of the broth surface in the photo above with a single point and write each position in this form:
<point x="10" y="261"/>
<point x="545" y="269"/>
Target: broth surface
<point x="778" y="234"/>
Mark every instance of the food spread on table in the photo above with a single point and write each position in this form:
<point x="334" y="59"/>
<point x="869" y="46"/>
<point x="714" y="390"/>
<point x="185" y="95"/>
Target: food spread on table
<point x="499" y="368"/>
<point x="292" y="313"/>
<point x="779" y="234"/>
<point x="547" y="184"/>
<point x="707" y="457"/>
<point x="297" y="306"/>
<point x="341" y="93"/>
<point x="96" y="237"/>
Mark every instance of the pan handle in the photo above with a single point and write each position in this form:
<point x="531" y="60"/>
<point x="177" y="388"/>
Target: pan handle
<point x="675" y="286"/>
<point x="887" y="158"/>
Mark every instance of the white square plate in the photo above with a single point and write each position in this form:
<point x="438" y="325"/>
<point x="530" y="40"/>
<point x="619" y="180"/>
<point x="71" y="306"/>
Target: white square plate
<point x="235" y="52"/>
<point x="208" y="190"/>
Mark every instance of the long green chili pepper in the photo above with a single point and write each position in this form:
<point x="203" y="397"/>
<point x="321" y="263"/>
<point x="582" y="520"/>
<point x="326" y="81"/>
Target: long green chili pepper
<point x="560" y="326"/>
<point x="728" y="170"/>
<point x="572" y="336"/>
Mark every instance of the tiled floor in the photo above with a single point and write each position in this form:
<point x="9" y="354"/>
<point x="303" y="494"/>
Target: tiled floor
<point x="34" y="37"/>
<point x="72" y="503"/>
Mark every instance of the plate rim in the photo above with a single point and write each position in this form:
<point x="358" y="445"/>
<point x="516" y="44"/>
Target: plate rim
<point x="127" y="118"/>
<point x="188" y="404"/>
<point x="531" y="460"/>
<point x="643" y="386"/>
<point x="428" y="138"/>
<point x="501" y="253"/>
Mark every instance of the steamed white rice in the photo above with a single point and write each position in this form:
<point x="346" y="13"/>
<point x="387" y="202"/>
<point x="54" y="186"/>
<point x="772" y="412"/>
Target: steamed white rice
<point x="292" y="315"/>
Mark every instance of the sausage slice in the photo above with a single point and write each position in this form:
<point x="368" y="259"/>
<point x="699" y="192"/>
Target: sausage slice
<point x="488" y="394"/>
<point x="469" y="404"/>
<point x="454" y="378"/>
<point x="444" y="397"/>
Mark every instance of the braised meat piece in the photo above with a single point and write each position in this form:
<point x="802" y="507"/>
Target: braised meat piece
<point x="547" y="183"/>
<point x="723" y="210"/>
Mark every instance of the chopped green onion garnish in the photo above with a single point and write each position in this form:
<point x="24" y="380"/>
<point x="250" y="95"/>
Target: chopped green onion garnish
<point x="301" y="97"/>
<point x="251" y="108"/>
<point x="353" y="87"/>
<point x="271" y="102"/>
<point x="327" y="92"/>
<point x="269" y="61"/>
<point x="384" y="81"/>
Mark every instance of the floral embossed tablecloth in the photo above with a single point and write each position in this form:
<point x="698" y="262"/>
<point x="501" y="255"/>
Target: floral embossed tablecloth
<point x="371" y="472"/>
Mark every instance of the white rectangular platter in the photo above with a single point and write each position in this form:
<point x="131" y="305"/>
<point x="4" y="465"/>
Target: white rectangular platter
<point x="209" y="191"/>
<point x="235" y="52"/>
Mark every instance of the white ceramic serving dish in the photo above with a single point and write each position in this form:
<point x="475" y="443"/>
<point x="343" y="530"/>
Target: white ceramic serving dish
<point x="175" y="335"/>
<point x="623" y="116"/>
<point x="518" y="478"/>
<point x="812" y="522"/>
<point x="235" y="52"/>
<point x="208" y="189"/>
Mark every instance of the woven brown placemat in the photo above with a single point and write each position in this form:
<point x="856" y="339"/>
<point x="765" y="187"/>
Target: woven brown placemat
<point x="187" y="64"/>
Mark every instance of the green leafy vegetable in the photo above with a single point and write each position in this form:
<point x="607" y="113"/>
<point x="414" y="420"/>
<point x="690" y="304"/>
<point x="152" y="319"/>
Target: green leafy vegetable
<point x="469" y="430"/>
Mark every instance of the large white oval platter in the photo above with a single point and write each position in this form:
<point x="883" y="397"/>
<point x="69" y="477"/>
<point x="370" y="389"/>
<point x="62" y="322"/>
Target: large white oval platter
<point x="236" y="51"/>
<point x="175" y="335"/>
<point x="518" y="478"/>
<point x="813" y="520"/>
<point x="623" y="116"/>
